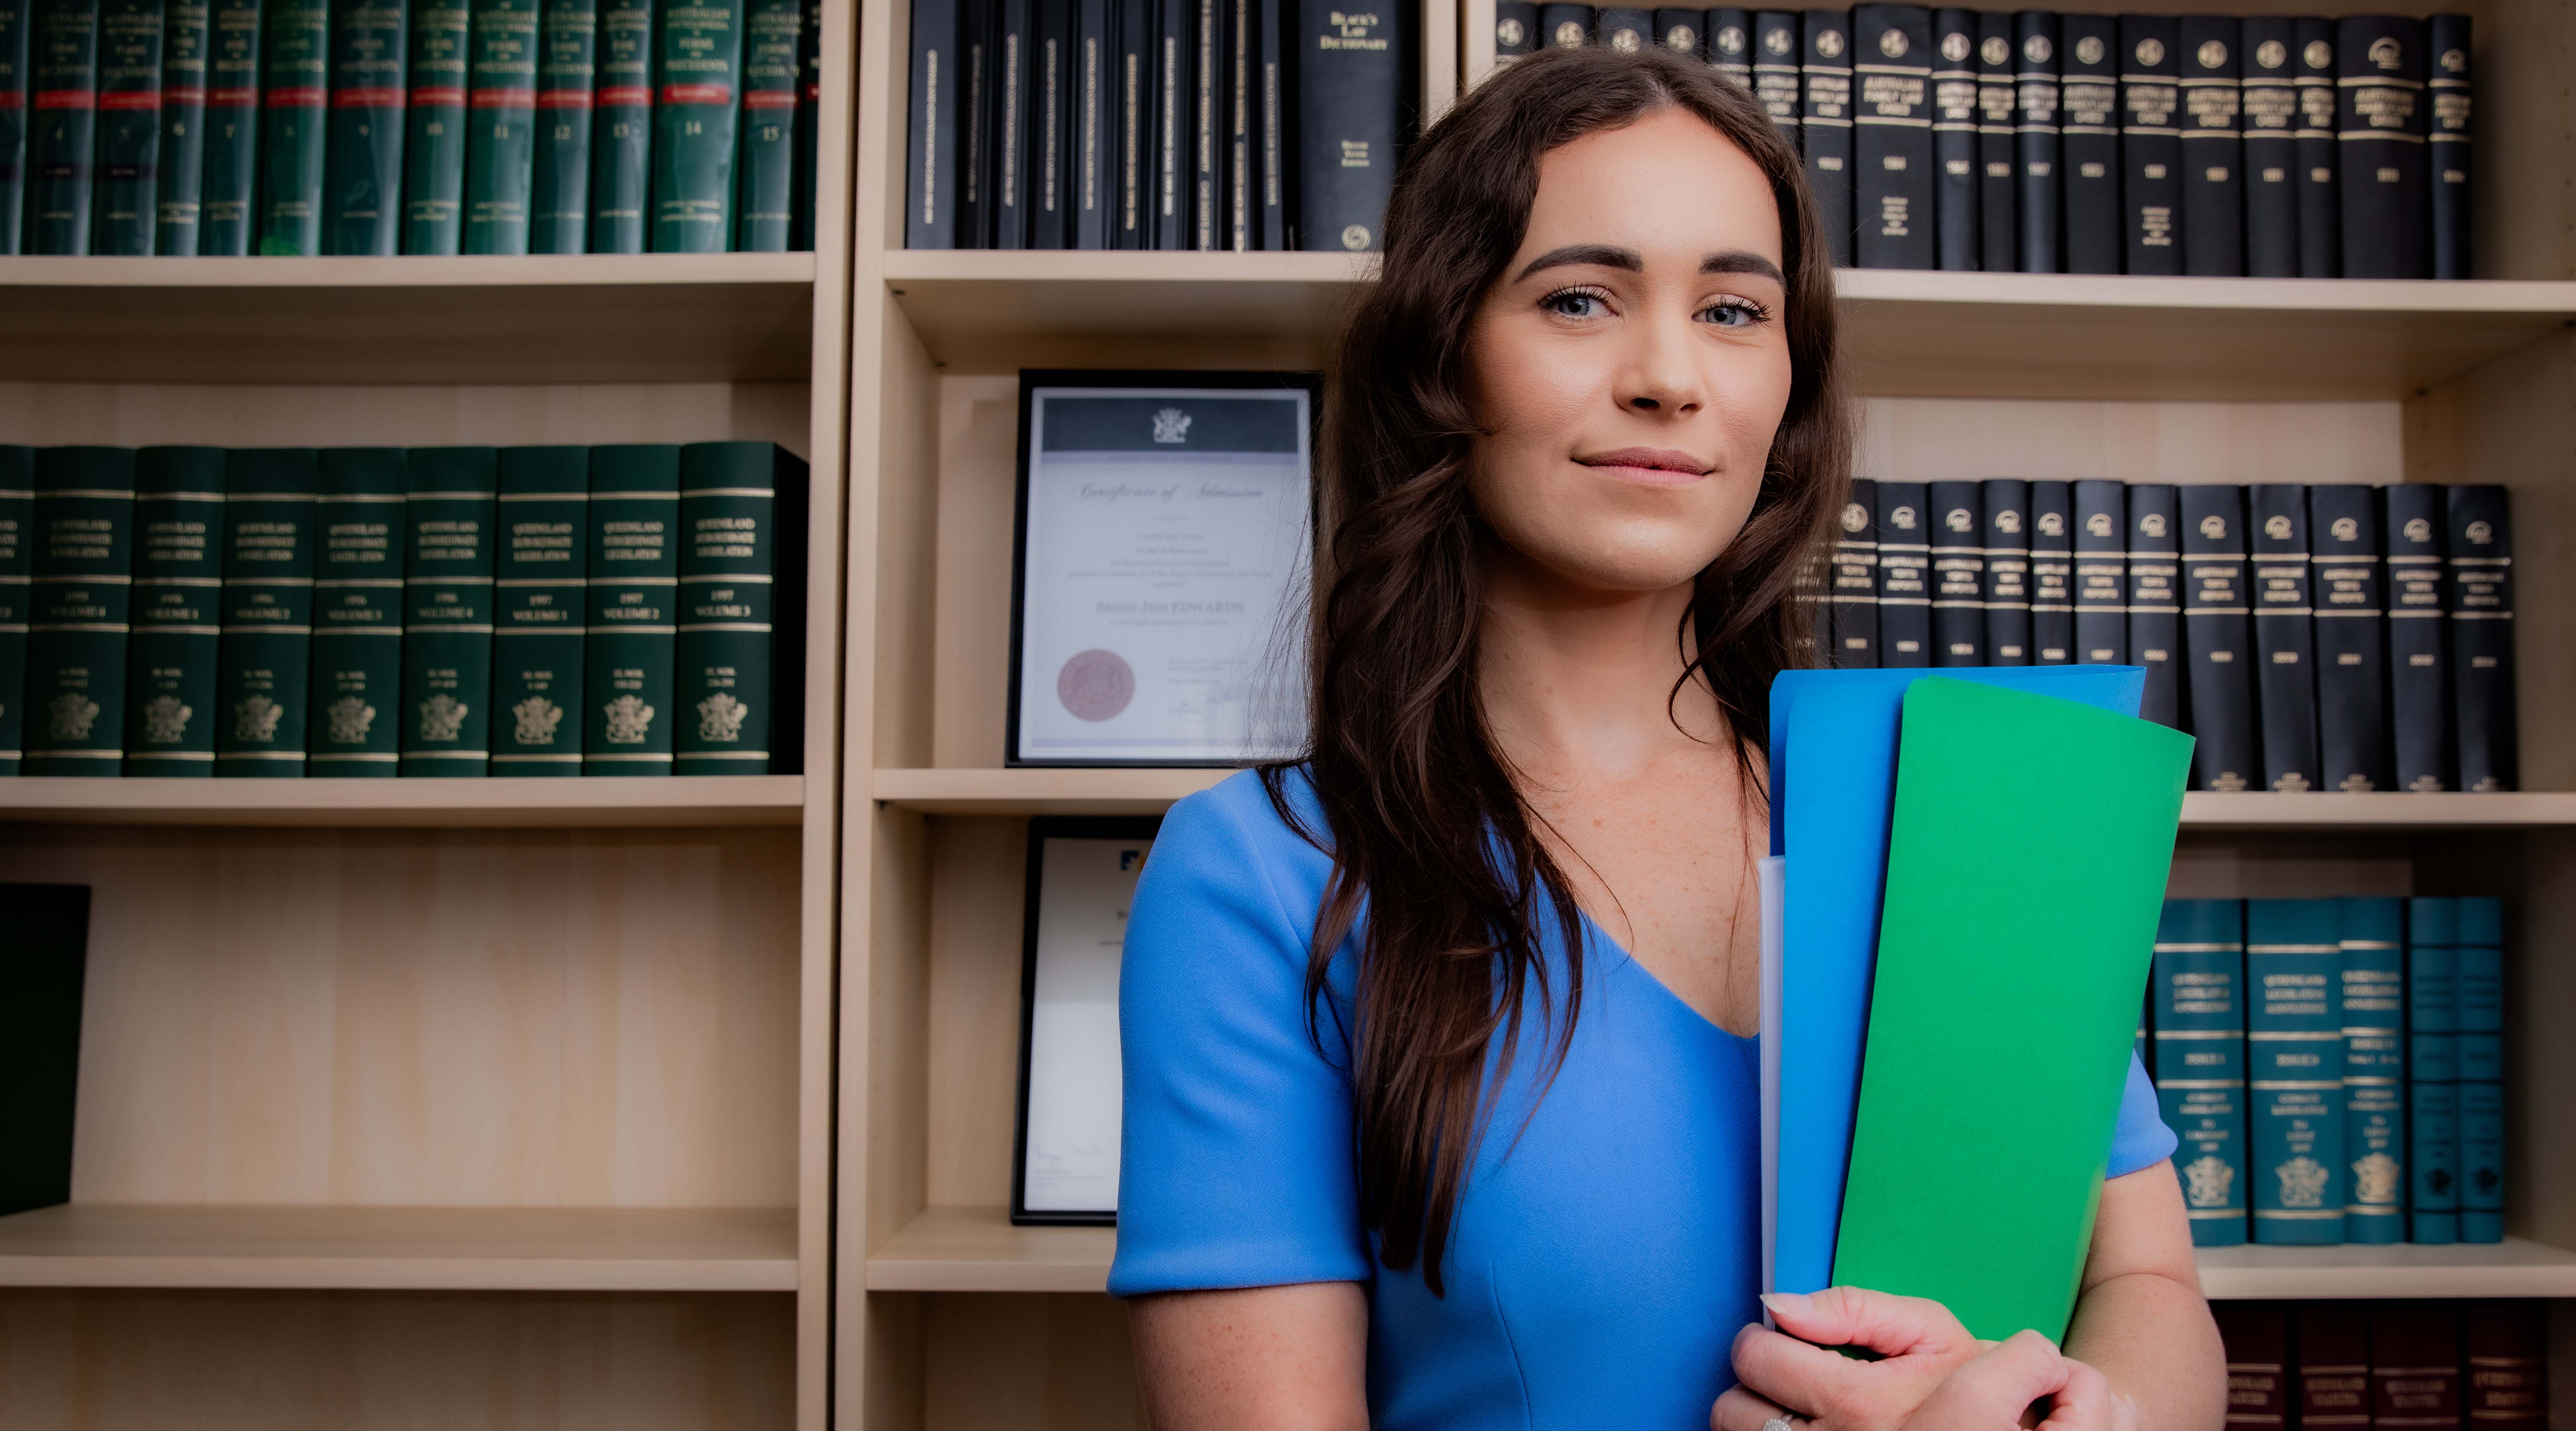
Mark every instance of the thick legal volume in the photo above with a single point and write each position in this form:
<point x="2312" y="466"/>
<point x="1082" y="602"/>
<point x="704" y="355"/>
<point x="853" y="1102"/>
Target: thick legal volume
<point x="357" y="613"/>
<point x="80" y="603"/>
<point x="2480" y="528"/>
<point x="2294" y="1069"/>
<point x="809" y="127"/>
<point x="177" y="611"/>
<point x="2351" y="638"/>
<point x="2007" y="541"/>
<point x="2213" y="150"/>
<point x="1354" y="104"/>
<point x="433" y="132"/>
<point x="568" y="105"/>
<point x="1131" y="220"/>
<point x="1958" y="222"/>
<point x="2320" y="167"/>
<point x="733" y="496"/>
<point x="1679" y="32"/>
<point x="2507" y="1358"/>
<point x="2334" y="1365"/>
<point x="2037" y="187"/>
<point x="1009" y="66"/>
<point x="1170" y="183"/>
<point x="1565" y="27"/>
<point x="229" y="173"/>
<point x="13" y="127"/>
<point x="263" y="696"/>
<point x="447" y="611"/>
<point x="61" y="177"/>
<point x="128" y="160"/>
<point x="2285" y="682"/>
<point x="2155" y="599"/>
<point x="1515" y="30"/>
<point x="2198" y="994"/>
<point x="2089" y="142"/>
<point x="2217" y="637"/>
<point x="44" y="953"/>
<point x="931" y="165"/>
<point x="17" y="543"/>
<point x="539" y="605"/>
<point x="1050" y="117"/>
<point x="1998" y="190"/>
<point x="621" y="126"/>
<point x="1729" y="43"/>
<point x="1904" y="576"/>
<point x="2419" y="685"/>
<point x="1092" y="188"/>
<point x="2381" y="131"/>
<point x="1626" y="29"/>
<point x="2480" y="974"/>
<point x="2101" y="574"/>
<point x="1777" y="78"/>
<point x="178" y="203"/>
<point x="2374" y="1068"/>
<point x="697" y="68"/>
<point x="2256" y="1338"/>
<point x="2433" y="1068"/>
<point x="363" y="172"/>
<point x="2414" y="1365"/>
<point x="1855" y="579"/>
<point x="1825" y="125"/>
<point x="294" y="121"/>
<point x="2150" y="144"/>
<point x="1957" y="515"/>
<point x="629" y="647"/>
<point x="2052" y="573"/>
<point x="2448" y="135"/>
<point x="2271" y="124"/>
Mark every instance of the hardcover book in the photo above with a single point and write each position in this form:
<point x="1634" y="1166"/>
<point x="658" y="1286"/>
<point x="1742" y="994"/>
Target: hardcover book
<point x="2414" y="1365"/>
<point x="1091" y="182"/>
<point x="61" y="182"/>
<point x="1623" y="28"/>
<point x="1050" y="114"/>
<point x="2218" y="637"/>
<point x="2351" y="636"/>
<point x="2479" y="975"/>
<point x="732" y="603"/>
<point x="1825" y="125"/>
<point x="2507" y="1354"/>
<point x="294" y="137"/>
<point x="697" y="66"/>
<point x="540" y="604"/>
<point x="129" y="126"/>
<point x="2052" y="573"/>
<point x="80" y="603"/>
<point x="2007" y="541"/>
<point x="1006" y="120"/>
<point x="229" y="172"/>
<point x="2271" y="123"/>
<point x="1564" y="26"/>
<point x="2433" y="1067"/>
<point x="501" y="140"/>
<point x="1777" y="76"/>
<point x="1893" y="161"/>
<point x="2480" y="532"/>
<point x="1168" y="194"/>
<point x="632" y="618"/>
<point x="1855" y="580"/>
<point x="2089" y="143"/>
<point x="566" y="100"/>
<point x="2374" y="1068"/>
<point x="2256" y="1338"/>
<point x="2294" y="1053"/>
<point x="262" y="679"/>
<point x="1904" y="576"/>
<point x="2101" y="574"/>
<point x="2419" y="683"/>
<point x="1729" y="43"/>
<point x="2447" y="39"/>
<point x="2151" y="143"/>
<point x="2037" y="199"/>
<point x="809" y="127"/>
<point x="13" y="125"/>
<point x="1956" y="511"/>
<point x="448" y="561"/>
<point x="1997" y="190"/>
<point x="764" y="206"/>
<point x="621" y="127"/>
<point x="2381" y="129"/>
<point x="357" y="614"/>
<point x="2198" y="994"/>
<point x="17" y="549"/>
<point x="1354" y="107"/>
<point x="2154" y="599"/>
<point x="2334" y="1365"/>
<point x="434" y="129"/>
<point x="932" y="107"/>
<point x="364" y="170"/>
<point x="1515" y="30"/>
<point x="2213" y="150"/>
<point x="1679" y="32"/>
<point x="2320" y="167"/>
<point x="2285" y="654"/>
<point x="177" y="611"/>
<point x="1278" y="168"/>
<point x="44" y="952"/>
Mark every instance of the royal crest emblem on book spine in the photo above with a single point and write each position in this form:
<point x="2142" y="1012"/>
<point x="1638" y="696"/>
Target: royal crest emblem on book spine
<point x="2374" y="1179"/>
<point x="2209" y="1179"/>
<point x="537" y="718"/>
<point x="349" y="719"/>
<point x="442" y="719"/>
<point x="628" y="720"/>
<point x="255" y="720"/>
<point x="2303" y="1182"/>
<point x="165" y="720"/>
<point x="720" y="718"/>
<point x="68" y="716"/>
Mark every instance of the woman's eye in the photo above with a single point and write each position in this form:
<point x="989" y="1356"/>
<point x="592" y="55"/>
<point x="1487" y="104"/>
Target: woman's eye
<point x="1574" y="303"/>
<point x="1734" y="313"/>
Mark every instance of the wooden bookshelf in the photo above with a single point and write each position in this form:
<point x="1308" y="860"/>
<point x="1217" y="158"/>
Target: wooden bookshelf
<point x="415" y="804"/>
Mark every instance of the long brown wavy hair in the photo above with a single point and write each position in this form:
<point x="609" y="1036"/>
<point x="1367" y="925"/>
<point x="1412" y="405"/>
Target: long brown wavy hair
<point x="1425" y="823"/>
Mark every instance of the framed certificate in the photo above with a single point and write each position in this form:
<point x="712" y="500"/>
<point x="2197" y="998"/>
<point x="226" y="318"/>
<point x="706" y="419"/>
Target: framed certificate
<point x="1163" y="559"/>
<point x="1082" y="876"/>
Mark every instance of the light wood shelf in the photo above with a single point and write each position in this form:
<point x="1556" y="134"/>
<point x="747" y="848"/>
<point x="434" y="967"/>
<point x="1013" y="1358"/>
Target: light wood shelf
<point x="402" y="1248"/>
<point x="616" y="801"/>
<point x="1041" y="792"/>
<point x="596" y="318"/>
<point x="976" y="1249"/>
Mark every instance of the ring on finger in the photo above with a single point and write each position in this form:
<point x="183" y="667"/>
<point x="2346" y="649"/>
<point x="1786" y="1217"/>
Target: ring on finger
<point x="1785" y="1421"/>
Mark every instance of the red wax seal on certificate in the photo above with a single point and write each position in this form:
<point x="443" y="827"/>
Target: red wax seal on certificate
<point x="1095" y="684"/>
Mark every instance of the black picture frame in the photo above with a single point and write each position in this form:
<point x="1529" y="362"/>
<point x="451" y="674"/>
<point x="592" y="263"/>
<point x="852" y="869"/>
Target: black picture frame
<point x="1144" y="380"/>
<point x="1042" y="829"/>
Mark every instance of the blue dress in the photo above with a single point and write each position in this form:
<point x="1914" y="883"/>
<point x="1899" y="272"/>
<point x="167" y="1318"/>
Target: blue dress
<point x="1608" y="1243"/>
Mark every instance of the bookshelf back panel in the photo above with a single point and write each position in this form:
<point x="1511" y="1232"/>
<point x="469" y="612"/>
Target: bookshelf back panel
<point x="232" y="1361"/>
<point x="426" y="415"/>
<point x="1070" y="1365"/>
<point x="978" y="904"/>
<point x="447" y="1017"/>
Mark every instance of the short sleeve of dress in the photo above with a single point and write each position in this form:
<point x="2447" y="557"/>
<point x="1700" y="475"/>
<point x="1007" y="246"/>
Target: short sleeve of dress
<point x="2140" y="1139"/>
<point x="1236" y="1165"/>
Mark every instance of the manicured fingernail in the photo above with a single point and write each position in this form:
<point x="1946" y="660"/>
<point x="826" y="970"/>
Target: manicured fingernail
<point x="1780" y="1302"/>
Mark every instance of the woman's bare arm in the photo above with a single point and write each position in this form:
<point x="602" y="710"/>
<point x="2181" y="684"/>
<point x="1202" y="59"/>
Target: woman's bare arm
<point x="1258" y="1359"/>
<point x="2140" y="1317"/>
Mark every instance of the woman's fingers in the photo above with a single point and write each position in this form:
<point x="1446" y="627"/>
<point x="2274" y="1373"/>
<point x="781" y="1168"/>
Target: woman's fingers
<point x="1789" y="1372"/>
<point x="1856" y="1316"/>
<point x="1742" y="1410"/>
<point x="1995" y="1387"/>
<point x="2087" y="1403"/>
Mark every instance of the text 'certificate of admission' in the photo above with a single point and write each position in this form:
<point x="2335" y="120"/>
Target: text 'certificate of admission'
<point x="1165" y="567"/>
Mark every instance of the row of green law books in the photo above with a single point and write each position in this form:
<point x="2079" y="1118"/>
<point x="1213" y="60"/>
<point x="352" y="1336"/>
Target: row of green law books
<point x="376" y="127"/>
<point x="374" y="611"/>
<point x="2334" y="1068"/>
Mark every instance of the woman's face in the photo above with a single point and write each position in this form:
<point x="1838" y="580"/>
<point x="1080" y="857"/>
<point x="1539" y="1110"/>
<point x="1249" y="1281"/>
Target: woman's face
<point x="1632" y="364"/>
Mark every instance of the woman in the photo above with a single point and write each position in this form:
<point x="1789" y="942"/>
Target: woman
<point x="1440" y="1085"/>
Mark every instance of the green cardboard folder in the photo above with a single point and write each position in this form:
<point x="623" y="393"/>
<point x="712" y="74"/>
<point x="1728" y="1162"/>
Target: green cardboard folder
<point x="2026" y="868"/>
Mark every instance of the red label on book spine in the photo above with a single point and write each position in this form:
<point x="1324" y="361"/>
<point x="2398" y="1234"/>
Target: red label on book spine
<point x="769" y="99"/>
<point x="13" y="99"/>
<point x="296" y="96"/>
<point x="813" y="91"/>
<point x="130" y="99"/>
<point x="232" y="98"/>
<point x="563" y="99"/>
<point x="697" y="94"/>
<point x="367" y="97"/>
<point x="625" y="94"/>
<point x="504" y="99"/>
<point x="185" y="95"/>
<point x="429" y="94"/>
<point x="65" y="99"/>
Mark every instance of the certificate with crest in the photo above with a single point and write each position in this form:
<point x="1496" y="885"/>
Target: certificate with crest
<point x="1082" y="878"/>
<point x="1165" y="529"/>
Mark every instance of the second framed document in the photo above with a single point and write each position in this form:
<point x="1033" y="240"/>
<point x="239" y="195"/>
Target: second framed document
<point x="1164" y="552"/>
<point x="1082" y="879"/>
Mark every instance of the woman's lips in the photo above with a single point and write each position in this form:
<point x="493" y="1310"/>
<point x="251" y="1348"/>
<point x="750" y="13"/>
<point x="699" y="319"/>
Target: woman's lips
<point x="1650" y="466"/>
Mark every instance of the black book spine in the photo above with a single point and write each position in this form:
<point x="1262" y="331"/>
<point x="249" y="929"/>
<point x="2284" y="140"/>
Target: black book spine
<point x="975" y="123"/>
<point x="2219" y="638"/>
<point x="1565" y="27"/>
<point x="1131" y="215"/>
<point x="1729" y="43"/>
<point x="1776" y="78"/>
<point x="1624" y="29"/>
<point x="2481" y="612"/>
<point x="2351" y="637"/>
<point x="2213" y="147"/>
<point x="1998" y="216"/>
<point x="1207" y="121"/>
<point x="2155" y="600"/>
<point x="2381" y="137"/>
<point x="1353" y="100"/>
<point x="1275" y="168"/>
<point x="2447" y="41"/>
<point x="1904" y="569"/>
<point x="1678" y="31"/>
<point x="1515" y="30"/>
<point x="1242" y="168"/>
<point x="1173" y="52"/>
<point x="1855" y="579"/>
<point x="1892" y="143"/>
<point x="2007" y="540"/>
<point x="2413" y="529"/>
<point x="1958" y="220"/>
<point x="930" y="188"/>
<point x="2101" y="574"/>
<point x="2052" y="573"/>
<point x="2271" y="148"/>
<point x="1825" y="124"/>
<point x="2040" y="210"/>
<point x="1958" y="573"/>
<point x="1092" y="185"/>
<point x="1050" y="126"/>
<point x="2284" y="640"/>
<point x="2089" y="141"/>
<point x="2320" y="167"/>
<point x="2150" y="144"/>
<point x="1011" y="52"/>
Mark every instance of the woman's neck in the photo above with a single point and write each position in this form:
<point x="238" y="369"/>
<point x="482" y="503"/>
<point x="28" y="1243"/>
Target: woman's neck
<point x="1580" y="681"/>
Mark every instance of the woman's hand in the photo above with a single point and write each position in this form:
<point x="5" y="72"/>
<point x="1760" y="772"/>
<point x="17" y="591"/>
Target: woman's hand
<point x="1933" y="1376"/>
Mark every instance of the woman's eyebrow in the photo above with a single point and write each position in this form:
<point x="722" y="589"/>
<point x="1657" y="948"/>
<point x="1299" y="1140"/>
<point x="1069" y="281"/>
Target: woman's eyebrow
<point x="1737" y="260"/>
<point x="1598" y="254"/>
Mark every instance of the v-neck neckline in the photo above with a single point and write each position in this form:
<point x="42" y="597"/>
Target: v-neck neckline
<point x="1594" y="932"/>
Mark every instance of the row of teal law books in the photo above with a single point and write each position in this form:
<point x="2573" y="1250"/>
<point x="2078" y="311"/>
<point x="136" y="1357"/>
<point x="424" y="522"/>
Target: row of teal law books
<point x="379" y="611"/>
<point x="2333" y="1067"/>
<point x="302" y="127"/>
